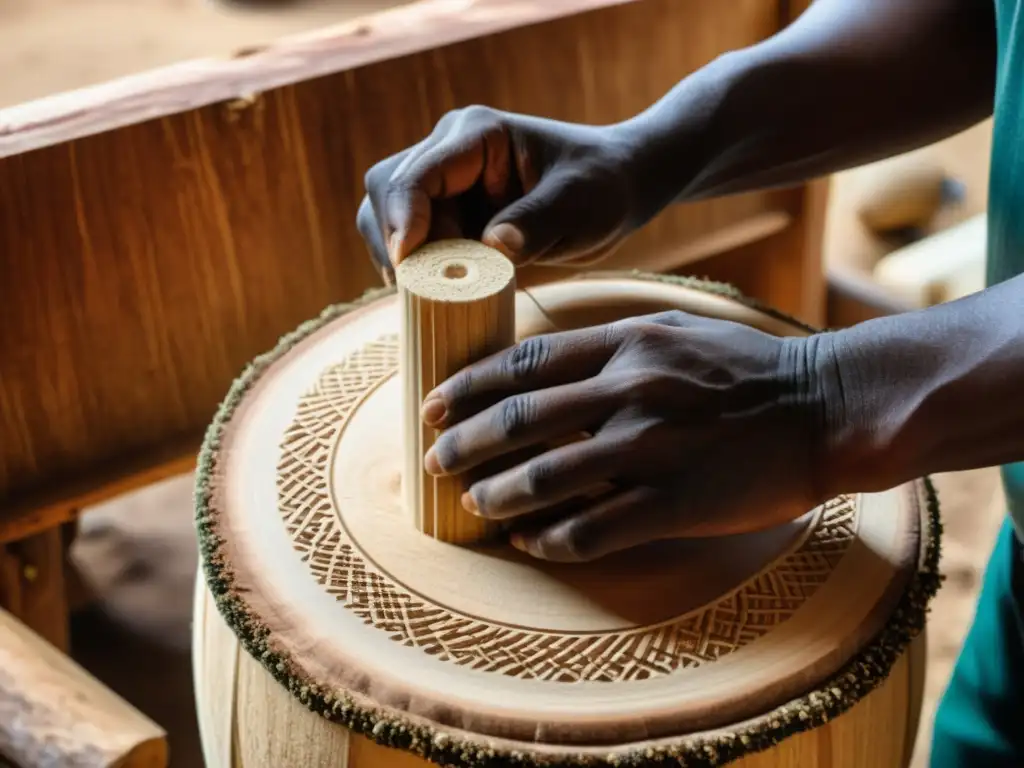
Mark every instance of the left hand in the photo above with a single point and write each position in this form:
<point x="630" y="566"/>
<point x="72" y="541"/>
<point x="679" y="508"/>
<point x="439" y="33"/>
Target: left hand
<point x="702" y="427"/>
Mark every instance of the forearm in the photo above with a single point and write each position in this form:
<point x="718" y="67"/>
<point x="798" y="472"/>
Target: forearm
<point x="849" y="82"/>
<point x="936" y="390"/>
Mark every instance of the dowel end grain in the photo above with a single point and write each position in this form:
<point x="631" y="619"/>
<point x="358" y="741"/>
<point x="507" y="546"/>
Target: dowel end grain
<point x="458" y="306"/>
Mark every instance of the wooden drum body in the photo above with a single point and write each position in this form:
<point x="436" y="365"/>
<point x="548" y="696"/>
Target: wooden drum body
<point x="330" y="632"/>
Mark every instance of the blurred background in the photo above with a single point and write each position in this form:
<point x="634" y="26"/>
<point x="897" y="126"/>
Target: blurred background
<point x="137" y="554"/>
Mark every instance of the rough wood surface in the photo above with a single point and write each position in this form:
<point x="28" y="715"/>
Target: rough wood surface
<point x="458" y="307"/>
<point x="152" y="261"/>
<point x="53" y="713"/>
<point x="248" y="720"/>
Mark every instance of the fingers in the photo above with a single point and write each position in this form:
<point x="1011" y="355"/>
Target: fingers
<point x="573" y="213"/>
<point x="620" y="521"/>
<point x="538" y="362"/>
<point x="468" y="150"/>
<point x="579" y="469"/>
<point x="517" y="422"/>
<point x="370" y="220"/>
<point x="366" y="222"/>
<point x="451" y="167"/>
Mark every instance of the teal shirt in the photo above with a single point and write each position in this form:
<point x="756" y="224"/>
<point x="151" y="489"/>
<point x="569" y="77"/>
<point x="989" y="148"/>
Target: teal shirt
<point x="1006" y="188"/>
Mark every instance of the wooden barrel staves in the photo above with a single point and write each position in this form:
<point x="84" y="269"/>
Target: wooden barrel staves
<point x="332" y="631"/>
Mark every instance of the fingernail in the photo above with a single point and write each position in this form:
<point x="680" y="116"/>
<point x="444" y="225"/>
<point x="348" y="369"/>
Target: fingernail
<point x="506" y="238"/>
<point x="517" y="541"/>
<point x="394" y="243"/>
<point x="431" y="465"/>
<point x="469" y="503"/>
<point x="433" y="411"/>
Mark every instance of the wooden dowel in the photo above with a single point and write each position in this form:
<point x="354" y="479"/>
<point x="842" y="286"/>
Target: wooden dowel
<point x="53" y="712"/>
<point x="458" y="306"/>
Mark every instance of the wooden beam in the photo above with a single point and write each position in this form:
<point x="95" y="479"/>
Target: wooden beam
<point x="52" y="712"/>
<point x="40" y="510"/>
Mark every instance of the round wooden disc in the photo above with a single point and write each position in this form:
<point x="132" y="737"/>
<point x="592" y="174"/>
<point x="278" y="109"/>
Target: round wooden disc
<point x="316" y="563"/>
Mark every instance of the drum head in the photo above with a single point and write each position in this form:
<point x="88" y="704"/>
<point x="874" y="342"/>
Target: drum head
<point x="674" y="646"/>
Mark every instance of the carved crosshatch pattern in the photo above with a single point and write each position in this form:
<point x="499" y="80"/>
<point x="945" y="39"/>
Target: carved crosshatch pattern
<point x="304" y="500"/>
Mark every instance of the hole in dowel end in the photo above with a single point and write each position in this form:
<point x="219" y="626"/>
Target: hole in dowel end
<point x="453" y="270"/>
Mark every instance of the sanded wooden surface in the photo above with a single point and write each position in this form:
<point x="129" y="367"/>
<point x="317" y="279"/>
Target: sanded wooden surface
<point x="153" y="261"/>
<point x="52" y="712"/>
<point x="308" y="445"/>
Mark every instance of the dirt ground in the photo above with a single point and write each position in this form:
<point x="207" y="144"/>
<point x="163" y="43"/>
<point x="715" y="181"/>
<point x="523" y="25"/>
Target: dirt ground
<point x="139" y="551"/>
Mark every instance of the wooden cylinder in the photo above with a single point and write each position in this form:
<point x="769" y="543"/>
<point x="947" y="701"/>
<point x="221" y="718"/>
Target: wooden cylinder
<point x="457" y="307"/>
<point x="370" y="645"/>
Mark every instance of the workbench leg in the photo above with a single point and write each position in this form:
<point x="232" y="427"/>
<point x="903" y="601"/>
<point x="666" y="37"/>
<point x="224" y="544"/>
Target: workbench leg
<point x="32" y="584"/>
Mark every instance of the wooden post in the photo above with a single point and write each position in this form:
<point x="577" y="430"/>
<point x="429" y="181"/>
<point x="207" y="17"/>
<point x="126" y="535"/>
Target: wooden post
<point x="458" y="306"/>
<point x="32" y="584"/>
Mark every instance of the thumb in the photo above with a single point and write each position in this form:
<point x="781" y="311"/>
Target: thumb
<point x="542" y="223"/>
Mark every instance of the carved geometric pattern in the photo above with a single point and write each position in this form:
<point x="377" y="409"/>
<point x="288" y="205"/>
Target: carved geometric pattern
<point x="703" y="635"/>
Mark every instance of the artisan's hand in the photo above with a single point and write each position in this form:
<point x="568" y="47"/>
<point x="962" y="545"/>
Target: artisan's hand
<point x="702" y="426"/>
<point x="532" y="188"/>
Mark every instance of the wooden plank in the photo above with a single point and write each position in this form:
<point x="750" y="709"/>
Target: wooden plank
<point x="387" y="35"/>
<point x="52" y="712"/>
<point x="35" y="512"/>
<point x="150" y="262"/>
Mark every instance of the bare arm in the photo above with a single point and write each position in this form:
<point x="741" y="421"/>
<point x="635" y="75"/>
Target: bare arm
<point x="935" y="390"/>
<point x="848" y="82"/>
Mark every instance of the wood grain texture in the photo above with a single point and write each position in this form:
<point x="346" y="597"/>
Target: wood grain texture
<point x="52" y="712"/>
<point x="246" y="718"/>
<point x="158" y="233"/>
<point x="457" y="301"/>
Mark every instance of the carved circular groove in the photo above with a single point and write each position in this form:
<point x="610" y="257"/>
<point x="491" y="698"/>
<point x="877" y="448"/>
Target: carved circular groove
<point x="613" y="640"/>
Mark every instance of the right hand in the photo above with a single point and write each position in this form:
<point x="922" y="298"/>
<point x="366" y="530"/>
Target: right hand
<point x="532" y="188"/>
